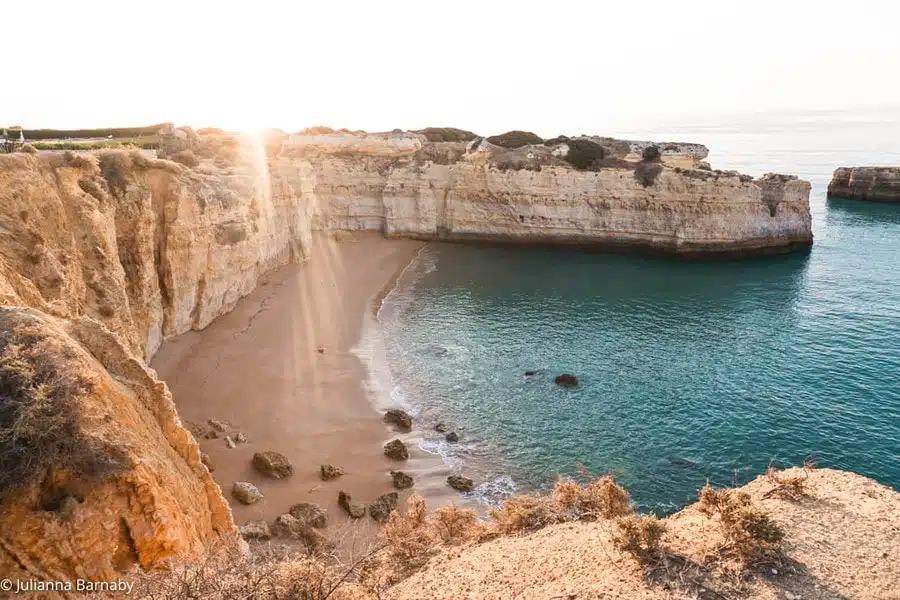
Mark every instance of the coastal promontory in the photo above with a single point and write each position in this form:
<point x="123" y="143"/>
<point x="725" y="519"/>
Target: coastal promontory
<point x="875" y="184"/>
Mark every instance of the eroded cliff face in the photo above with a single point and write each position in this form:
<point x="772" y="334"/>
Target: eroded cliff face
<point x="126" y="489"/>
<point x="877" y="184"/>
<point x="480" y="192"/>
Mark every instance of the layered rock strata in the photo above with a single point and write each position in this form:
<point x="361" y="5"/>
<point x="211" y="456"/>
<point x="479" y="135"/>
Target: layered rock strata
<point x="876" y="184"/>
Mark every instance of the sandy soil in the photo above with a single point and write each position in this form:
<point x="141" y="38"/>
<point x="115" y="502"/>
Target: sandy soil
<point x="258" y="368"/>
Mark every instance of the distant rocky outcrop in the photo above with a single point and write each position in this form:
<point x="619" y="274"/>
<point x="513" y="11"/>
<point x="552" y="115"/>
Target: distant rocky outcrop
<point x="876" y="184"/>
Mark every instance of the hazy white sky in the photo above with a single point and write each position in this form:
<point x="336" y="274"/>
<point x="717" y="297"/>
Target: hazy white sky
<point x="555" y="66"/>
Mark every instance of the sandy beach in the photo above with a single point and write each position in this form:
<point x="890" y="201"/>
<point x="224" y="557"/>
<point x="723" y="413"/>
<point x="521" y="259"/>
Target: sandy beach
<point x="259" y="369"/>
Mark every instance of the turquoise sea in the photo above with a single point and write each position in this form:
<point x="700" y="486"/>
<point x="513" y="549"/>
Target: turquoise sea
<point x="690" y="371"/>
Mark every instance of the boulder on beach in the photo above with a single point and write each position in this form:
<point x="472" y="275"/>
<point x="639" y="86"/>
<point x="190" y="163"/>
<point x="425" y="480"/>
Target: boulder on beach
<point x="245" y="492"/>
<point x="399" y="419"/>
<point x="566" y="380"/>
<point x="401" y="480"/>
<point x="329" y="472"/>
<point x="452" y="437"/>
<point x="240" y="438"/>
<point x="381" y="509"/>
<point x="396" y="450"/>
<point x="272" y="464"/>
<point x="292" y="527"/>
<point x="255" y="530"/>
<point x="460" y="483"/>
<point x="440" y="428"/>
<point x="229" y="442"/>
<point x="220" y="426"/>
<point x="356" y="510"/>
<point x="311" y="514"/>
<point x="207" y="461"/>
<point x="288" y="526"/>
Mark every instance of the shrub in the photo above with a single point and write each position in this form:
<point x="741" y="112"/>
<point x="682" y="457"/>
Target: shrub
<point x="28" y="149"/>
<point x="408" y="536"/>
<point x="584" y="154"/>
<point x="186" y="158"/>
<point x="750" y="533"/>
<point x="114" y="166"/>
<point x="647" y="172"/>
<point x="80" y="161"/>
<point x="560" y="139"/>
<point x="515" y="139"/>
<point x="527" y="513"/>
<point x="454" y="524"/>
<point x="446" y="134"/>
<point x="651" y="153"/>
<point x="39" y="410"/>
<point x="604" y="498"/>
<point x="788" y="485"/>
<point x="640" y="536"/>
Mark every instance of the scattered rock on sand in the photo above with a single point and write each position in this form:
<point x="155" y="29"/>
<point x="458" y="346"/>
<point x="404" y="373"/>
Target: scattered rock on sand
<point x="272" y="464"/>
<point x="207" y="461"/>
<point x="566" y="380"/>
<point x="229" y="442"/>
<point x="440" y="428"/>
<point x="452" y="437"/>
<point x="402" y="481"/>
<point x="396" y="450"/>
<point x="399" y="419"/>
<point x="329" y="472"/>
<point x="383" y="505"/>
<point x="460" y="483"/>
<point x="288" y="526"/>
<point x="354" y="509"/>
<point x="310" y="514"/>
<point x="321" y="349"/>
<point x="255" y="530"/>
<point x="220" y="426"/>
<point x="240" y="438"/>
<point x="246" y="493"/>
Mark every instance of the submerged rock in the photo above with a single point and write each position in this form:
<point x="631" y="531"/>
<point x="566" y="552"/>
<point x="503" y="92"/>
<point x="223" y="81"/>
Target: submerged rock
<point x="440" y="428"/>
<point x="381" y="509"/>
<point x="255" y="530"/>
<point x="310" y="514"/>
<point x="356" y="510"/>
<point x="530" y="373"/>
<point x="399" y="419"/>
<point x="272" y="464"/>
<point x="246" y="493"/>
<point x="396" y="450"/>
<point x="329" y="472"/>
<point x="452" y="437"/>
<point x="460" y="483"/>
<point x="401" y="480"/>
<point x="566" y="380"/>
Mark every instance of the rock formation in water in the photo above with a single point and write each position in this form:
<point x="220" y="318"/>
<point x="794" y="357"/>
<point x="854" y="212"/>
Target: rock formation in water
<point x="117" y="252"/>
<point x="876" y="184"/>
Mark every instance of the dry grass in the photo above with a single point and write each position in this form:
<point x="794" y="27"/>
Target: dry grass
<point x="751" y="536"/>
<point x="40" y="395"/>
<point x="640" y="536"/>
<point x="186" y="158"/>
<point x="788" y="485"/>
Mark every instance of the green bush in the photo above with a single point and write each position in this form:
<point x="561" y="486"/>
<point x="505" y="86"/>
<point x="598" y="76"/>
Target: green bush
<point x="120" y="132"/>
<point x="647" y="172"/>
<point x="651" y="153"/>
<point x="515" y="139"/>
<point x="584" y="154"/>
<point x="446" y="134"/>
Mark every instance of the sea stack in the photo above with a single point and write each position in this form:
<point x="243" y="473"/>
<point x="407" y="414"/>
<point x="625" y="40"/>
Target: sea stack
<point x="876" y="184"/>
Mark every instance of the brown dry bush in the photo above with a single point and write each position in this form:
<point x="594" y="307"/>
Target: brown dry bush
<point x="791" y="486"/>
<point x="28" y="149"/>
<point x="599" y="498"/>
<point x="408" y="536"/>
<point x="40" y="419"/>
<point x="453" y="524"/>
<point x="640" y="536"/>
<point x="750" y="533"/>
<point x="79" y="160"/>
<point x="527" y="513"/>
<point x="186" y="158"/>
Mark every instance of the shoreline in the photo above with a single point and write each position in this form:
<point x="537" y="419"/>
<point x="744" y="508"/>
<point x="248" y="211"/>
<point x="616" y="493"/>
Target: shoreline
<point x="258" y="368"/>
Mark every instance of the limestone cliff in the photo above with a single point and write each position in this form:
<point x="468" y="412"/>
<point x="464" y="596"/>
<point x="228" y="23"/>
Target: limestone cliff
<point x="877" y="184"/>
<point x="449" y="191"/>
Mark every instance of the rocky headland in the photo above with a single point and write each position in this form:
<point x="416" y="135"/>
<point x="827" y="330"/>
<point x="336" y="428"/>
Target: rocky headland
<point x="104" y="256"/>
<point x="875" y="184"/>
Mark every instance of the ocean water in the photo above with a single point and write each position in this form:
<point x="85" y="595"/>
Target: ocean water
<point x="690" y="371"/>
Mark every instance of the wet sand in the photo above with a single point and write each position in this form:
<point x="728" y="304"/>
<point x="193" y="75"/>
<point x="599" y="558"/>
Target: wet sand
<point x="259" y="369"/>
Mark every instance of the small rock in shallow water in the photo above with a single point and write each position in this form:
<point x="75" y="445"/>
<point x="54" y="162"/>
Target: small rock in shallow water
<point x="240" y="438"/>
<point x="329" y="472"/>
<point x="229" y="442"/>
<point x="566" y="380"/>
<point x="396" y="450"/>
<point x="452" y="437"/>
<point x="530" y="373"/>
<point x="246" y="493"/>
<point x="272" y="464"/>
<point x="401" y="480"/>
<point x="399" y="419"/>
<point x="460" y="483"/>
<point x="255" y="530"/>
<point x="354" y="509"/>
<point x="310" y="514"/>
<point x="440" y="428"/>
<point x="381" y="509"/>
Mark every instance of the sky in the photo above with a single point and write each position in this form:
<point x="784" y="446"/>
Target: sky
<point x="553" y="67"/>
